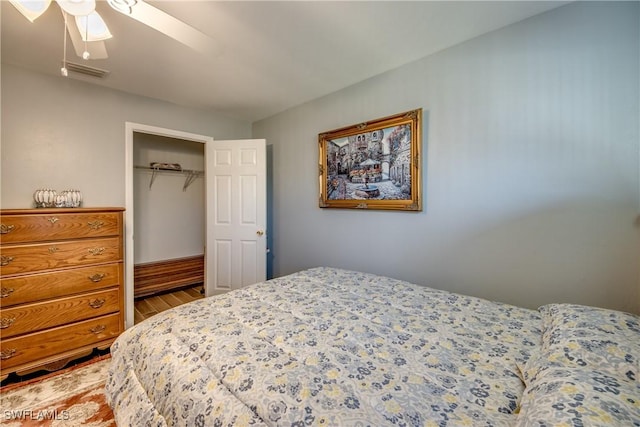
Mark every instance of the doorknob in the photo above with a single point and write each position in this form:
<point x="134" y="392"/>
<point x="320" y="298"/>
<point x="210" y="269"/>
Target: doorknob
<point x="259" y="232"/>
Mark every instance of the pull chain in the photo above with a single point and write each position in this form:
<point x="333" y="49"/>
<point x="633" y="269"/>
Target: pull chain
<point x="86" y="54"/>
<point x="64" y="70"/>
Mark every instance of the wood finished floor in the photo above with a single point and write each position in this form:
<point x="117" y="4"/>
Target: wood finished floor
<point x="147" y="307"/>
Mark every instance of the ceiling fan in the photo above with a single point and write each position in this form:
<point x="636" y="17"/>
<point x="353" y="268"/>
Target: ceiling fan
<point x="88" y="30"/>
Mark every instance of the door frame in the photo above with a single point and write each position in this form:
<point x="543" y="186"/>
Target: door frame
<point x="130" y="129"/>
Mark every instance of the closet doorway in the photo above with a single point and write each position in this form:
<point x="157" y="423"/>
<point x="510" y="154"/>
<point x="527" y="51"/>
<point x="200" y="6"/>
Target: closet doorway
<point x="234" y="205"/>
<point x="169" y="222"/>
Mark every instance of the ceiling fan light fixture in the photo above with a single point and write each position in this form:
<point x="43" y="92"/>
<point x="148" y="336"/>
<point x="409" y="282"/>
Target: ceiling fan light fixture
<point x="123" y="6"/>
<point x="77" y="7"/>
<point x="92" y="27"/>
<point x="31" y="9"/>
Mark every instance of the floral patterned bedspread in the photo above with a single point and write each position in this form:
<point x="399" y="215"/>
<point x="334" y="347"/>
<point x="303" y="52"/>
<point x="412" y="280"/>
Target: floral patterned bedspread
<point x="325" y="347"/>
<point x="587" y="370"/>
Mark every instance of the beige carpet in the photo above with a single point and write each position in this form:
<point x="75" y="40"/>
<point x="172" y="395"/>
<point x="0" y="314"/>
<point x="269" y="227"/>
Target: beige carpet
<point x="72" y="397"/>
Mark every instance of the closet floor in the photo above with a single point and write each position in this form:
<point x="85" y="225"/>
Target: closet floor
<point x="154" y="304"/>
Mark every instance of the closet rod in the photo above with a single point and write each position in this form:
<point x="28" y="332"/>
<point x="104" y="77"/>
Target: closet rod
<point x="191" y="175"/>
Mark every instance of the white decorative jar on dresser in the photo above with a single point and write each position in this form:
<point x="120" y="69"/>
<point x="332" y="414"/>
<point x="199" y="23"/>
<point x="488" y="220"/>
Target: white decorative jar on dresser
<point x="61" y="285"/>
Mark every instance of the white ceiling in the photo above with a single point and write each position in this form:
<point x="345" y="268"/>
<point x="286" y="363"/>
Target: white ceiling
<point x="267" y="56"/>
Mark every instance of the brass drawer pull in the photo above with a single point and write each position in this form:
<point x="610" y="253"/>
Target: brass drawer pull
<point x="95" y="225"/>
<point x="53" y="220"/>
<point x="53" y="249"/>
<point x="97" y="277"/>
<point x="5" y="292"/>
<point x="5" y="260"/>
<point x="96" y="251"/>
<point x="97" y="303"/>
<point x="97" y="329"/>
<point x="5" y="322"/>
<point x="6" y="229"/>
<point x="7" y="354"/>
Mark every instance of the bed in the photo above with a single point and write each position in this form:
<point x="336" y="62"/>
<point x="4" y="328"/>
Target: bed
<point x="330" y="347"/>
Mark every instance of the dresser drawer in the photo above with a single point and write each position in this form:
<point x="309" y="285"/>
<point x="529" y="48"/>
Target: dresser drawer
<point x="28" y="348"/>
<point x="47" y="256"/>
<point x="58" y="226"/>
<point x="41" y="286"/>
<point x="37" y="316"/>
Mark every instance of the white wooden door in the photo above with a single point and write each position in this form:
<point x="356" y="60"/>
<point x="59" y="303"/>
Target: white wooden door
<point x="236" y="189"/>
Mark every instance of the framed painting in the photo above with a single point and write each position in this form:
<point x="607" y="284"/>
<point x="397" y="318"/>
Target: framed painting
<point x="373" y="165"/>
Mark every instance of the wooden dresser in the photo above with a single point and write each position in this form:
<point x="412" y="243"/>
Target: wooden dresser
<point x="62" y="285"/>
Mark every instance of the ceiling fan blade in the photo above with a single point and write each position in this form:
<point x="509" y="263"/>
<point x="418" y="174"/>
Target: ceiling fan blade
<point x="172" y="27"/>
<point x="96" y="49"/>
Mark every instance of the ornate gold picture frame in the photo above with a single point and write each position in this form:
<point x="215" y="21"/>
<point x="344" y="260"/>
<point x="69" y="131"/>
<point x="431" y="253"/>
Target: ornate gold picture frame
<point x="373" y="165"/>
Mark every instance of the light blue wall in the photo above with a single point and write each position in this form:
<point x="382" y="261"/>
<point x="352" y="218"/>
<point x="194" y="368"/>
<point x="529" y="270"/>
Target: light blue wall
<point x="64" y="133"/>
<point x="531" y="140"/>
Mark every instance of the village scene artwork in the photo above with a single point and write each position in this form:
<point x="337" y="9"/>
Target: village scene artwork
<point x="373" y="165"/>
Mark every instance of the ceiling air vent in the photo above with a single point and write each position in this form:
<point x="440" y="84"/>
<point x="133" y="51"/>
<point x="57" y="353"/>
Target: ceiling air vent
<point x="88" y="71"/>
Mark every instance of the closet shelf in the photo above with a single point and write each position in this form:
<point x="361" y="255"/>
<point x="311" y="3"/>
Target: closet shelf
<point x="190" y="175"/>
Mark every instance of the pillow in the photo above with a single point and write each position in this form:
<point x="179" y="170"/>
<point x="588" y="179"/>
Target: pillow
<point x="576" y="396"/>
<point x="599" y="321"/>
<point x="587" y="370"/>
<point x="589" y="338"/>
